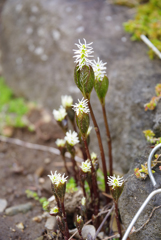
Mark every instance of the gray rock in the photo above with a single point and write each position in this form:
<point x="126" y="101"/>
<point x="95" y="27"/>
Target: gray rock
<point x="22" y="208"/>
<point x="134" y="194"/>
<point x="3" y="205"/>
<point x="37" y="59"/>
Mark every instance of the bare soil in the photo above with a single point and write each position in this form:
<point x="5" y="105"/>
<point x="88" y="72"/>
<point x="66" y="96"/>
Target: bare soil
<point x="13" y="185"/>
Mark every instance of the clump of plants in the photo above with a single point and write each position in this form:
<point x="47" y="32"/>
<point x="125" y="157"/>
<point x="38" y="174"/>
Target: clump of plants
<point x="12" y="110"/>
<point x="147" y="22"/>
<point x="88" y="75"/>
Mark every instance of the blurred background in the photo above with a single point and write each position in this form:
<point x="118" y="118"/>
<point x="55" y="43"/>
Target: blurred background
<point x="37" y="39"/>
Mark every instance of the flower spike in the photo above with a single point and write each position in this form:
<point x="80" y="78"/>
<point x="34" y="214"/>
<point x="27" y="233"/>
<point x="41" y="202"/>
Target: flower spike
<point x="71" y="138"/>
<point x="82" y="106"/>
<point x="115" y="181"/>
<point x="83" y="53"/>
<point x="67" y="101"/>
<point x="60" y="114"/>
<point x="99" y="69"/>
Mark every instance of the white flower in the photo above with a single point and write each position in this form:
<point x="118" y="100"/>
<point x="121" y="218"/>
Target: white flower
<point x="99" y="69"/>
<point x="82" y="106"/>
<point x="60" y="142"/>
<point x="89" y="130"/>
<point x="67" y="101"/>
<point x="71" y="138"/>
<point x="115" y="181"/>
<point x="54" y="210"/>
<point x="57" y="178"/>
<point x="60" y="114"/>
<point x="86" y="166"/>
<point x="83" y="201"/>
<point x="83" y="54"/>
<point x="93" y="156"/>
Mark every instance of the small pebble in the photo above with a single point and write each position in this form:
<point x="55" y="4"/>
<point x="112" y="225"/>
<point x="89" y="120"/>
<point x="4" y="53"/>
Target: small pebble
<point x="22" y="208"/>
<point x="3" y="204"/>
<point x="47" y="160"/>
<point x="51" y="223"/>
<point x="41" y="180"/>
<point x="20" y="226"/>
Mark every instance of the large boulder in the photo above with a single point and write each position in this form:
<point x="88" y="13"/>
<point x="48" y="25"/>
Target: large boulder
<point x="134" y="194"/>
<point x="37" y="38"/>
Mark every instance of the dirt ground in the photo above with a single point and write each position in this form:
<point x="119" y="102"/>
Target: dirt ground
<point x="13" y="185"/>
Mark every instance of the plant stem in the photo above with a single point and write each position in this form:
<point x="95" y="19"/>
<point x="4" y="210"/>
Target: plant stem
<point x="108" y="140"/>
<point x="74" y="168"/>
<point x="107" y="190"/>
<point x="117" y="220"/>
<point x="65" y="165"/>
<point x="65" y="219"/>
<point x="94" y="180"/>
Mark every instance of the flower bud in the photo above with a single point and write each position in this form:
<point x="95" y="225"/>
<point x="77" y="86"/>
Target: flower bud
<point x="84" y="79"/>
<point x="54" y="211"/>
<point x="83" y="121"/>
<point x="79" y="223"/>
<point x="101" y="88"/>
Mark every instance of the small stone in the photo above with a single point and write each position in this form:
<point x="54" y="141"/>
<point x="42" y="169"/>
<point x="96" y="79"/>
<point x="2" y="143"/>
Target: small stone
<point x="37" y="219"/>
<point x="100" y="235"/>
<point x="47" y="160"/>
<point x="3" y="204"/>
<point x="41" y="180"/>
<point x="20" y="226"/>
<point x="88" y="229"/>
<point x="51" y="223"/>
<point x="22" y="208"/>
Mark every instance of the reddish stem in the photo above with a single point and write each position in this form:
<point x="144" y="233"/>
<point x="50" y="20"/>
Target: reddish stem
<point x="101" y="147"/>
<point x="65" y="165"/>
<point x="108" y="140"/>
<point x="94" y="180"/>
<point x="75" y="169"/>
<point x="117" y="220"/>
<point x="65" y="219"/>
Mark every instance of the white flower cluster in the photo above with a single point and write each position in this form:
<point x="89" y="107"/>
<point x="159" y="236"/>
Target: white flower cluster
<point x="60" y="142"/>
<point x="115" y="181"/>
<point x="82" y="106"/>
<point x="56" y="178"/>
<point x="99" y="69"/>
<point x="67" y="101"/>
<point x="83" y="53"/>
<point x="60" y="114"/>
<point x="86" y="166"/>
<point x="71" y="138"/>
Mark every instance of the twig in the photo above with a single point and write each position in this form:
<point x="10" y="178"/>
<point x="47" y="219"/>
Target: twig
<point x="113" y="236"/>
<point x="36" y="147"/>
<point x="102" y="223"/>
<point x="151" y="214"/>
